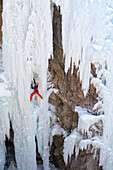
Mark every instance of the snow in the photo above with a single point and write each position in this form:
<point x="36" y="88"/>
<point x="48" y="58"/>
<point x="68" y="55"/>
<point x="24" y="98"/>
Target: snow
<point x="82" y="111"/>
<point x="86" y="120"/>
<point x="57" y="130"/>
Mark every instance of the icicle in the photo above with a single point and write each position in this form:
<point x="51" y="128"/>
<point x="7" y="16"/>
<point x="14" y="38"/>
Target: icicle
<point x="70" y="143"/>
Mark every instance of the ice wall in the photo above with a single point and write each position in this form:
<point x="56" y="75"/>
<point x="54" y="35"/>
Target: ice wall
<point x="5" y="96"/>
<point x="27" y="45"/>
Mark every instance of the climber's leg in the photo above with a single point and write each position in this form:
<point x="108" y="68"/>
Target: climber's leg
<point x="39" y="94"/>
<point x="31" y="96"/>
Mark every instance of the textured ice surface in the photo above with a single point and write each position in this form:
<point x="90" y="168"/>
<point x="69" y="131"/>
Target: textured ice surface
<point x="71" y="142"/>
<point x="86" y="120"/>
<point x="27" y="45"/>
<point x="87" y="28"/>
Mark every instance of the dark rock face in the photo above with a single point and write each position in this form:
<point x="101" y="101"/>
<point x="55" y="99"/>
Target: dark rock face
<point x="38" y="157"/>
<point x="68" y="96"/>
<point x="85" y="161"/>
<point x="56" y="154"/>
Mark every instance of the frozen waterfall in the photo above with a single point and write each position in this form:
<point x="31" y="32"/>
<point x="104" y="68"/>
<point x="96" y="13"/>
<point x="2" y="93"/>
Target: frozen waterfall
<point x="87" y="30"/>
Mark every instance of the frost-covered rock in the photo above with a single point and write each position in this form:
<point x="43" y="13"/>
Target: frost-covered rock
<point x="89" y="125"/>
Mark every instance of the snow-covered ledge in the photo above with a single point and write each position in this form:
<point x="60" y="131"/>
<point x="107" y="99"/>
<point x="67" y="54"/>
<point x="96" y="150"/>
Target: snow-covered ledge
<point x="76" y="140"/>
<point x="89" y="125"/>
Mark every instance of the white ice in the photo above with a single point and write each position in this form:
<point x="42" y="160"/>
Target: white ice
<point x="27" y="45"/>
<point x="5" y="96"/>
<point x="71" y="142"/>
<point x="86" y="120"/>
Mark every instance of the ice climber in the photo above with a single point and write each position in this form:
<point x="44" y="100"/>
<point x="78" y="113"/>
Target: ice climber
<point x="35" y="90"/>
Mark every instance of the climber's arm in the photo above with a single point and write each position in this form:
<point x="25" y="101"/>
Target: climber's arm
<point x="34" y="81"/>
<point x="32" y="85"/>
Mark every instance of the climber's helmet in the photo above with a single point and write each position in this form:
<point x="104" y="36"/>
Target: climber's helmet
<point x="37" y="84"/>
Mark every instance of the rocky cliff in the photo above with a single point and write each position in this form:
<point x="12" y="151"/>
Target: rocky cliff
<point x="68" y="96"/>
